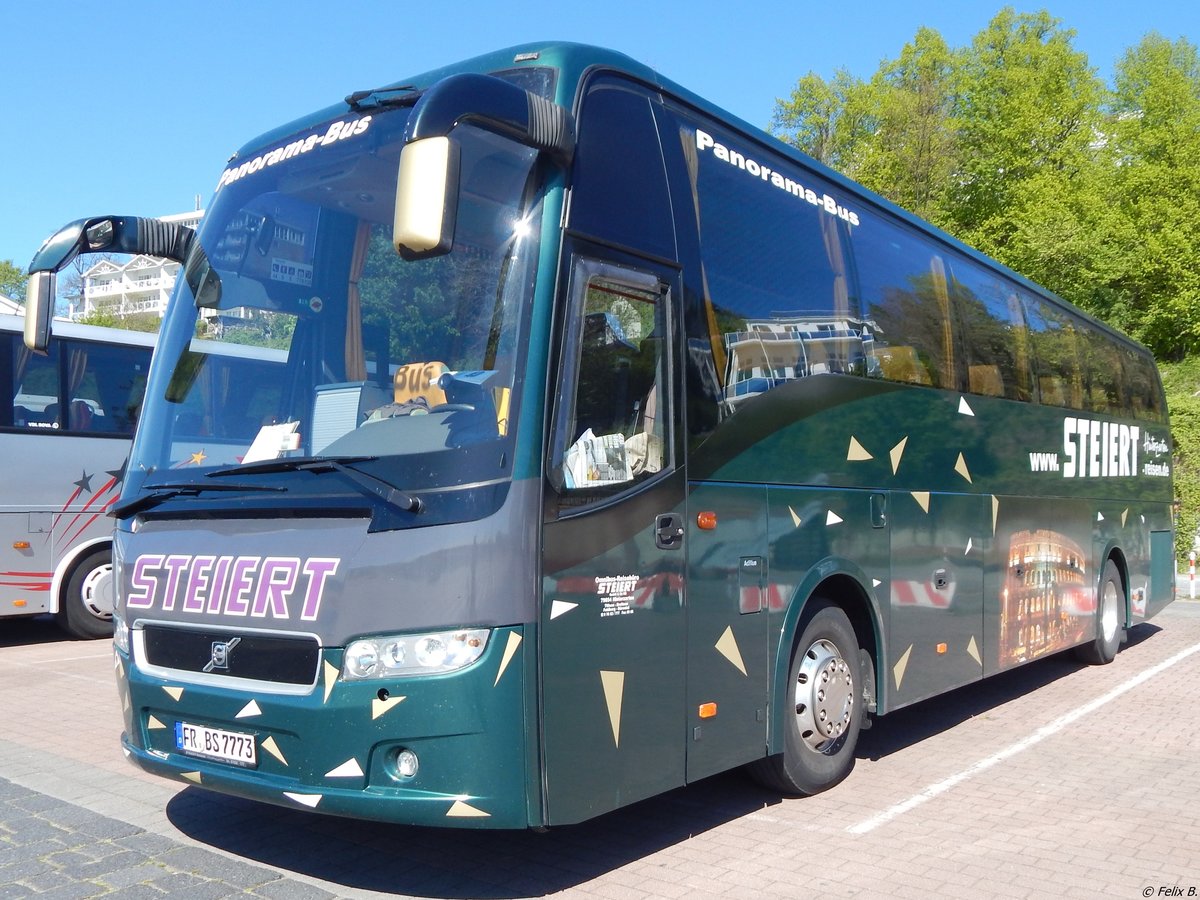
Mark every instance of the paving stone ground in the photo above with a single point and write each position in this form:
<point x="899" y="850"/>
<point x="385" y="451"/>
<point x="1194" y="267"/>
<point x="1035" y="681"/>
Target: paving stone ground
<point x="1056" y="780"/>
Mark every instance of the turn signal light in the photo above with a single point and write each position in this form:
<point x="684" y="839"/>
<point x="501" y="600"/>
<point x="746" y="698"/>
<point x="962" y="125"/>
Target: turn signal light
<point x="707" y="520"/>
<point x="708" y="710"/>
<point x="20" y="545"/>
<point x="941" y="648"/>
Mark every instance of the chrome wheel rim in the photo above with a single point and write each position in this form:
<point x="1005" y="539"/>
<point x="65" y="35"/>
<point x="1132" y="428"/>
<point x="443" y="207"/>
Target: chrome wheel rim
<point x="824" y="696"/>
<point x="1109" y="612"/>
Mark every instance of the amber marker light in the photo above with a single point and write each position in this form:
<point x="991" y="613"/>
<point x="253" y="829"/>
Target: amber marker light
<point x="20" y="545"/>
<point x="19" y="603"/>
<point x="707" y="521"/>
<point x="941" y="648"/>
<point x="708" y="710"/>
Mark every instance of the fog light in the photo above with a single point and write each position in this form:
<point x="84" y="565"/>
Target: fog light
<point x="406" y="763"/>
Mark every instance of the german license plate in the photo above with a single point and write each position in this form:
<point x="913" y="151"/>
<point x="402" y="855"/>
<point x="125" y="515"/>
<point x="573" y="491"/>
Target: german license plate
<point x="213" y="743"/>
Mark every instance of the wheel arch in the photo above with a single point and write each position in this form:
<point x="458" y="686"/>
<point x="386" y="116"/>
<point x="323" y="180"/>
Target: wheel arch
<point x="67" y="565"/>
<point x="1114" y="552"/>
<point x="843" y="584"/>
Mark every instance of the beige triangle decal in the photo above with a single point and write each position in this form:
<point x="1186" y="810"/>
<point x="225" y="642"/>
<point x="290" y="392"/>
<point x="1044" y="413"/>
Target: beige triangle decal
<point x="331" y="674"/>
<point x="901" y="665"/>
<point x="897" y="452"/>
<point x="922" y="498"/>
<point x="614" y="690"/>
<point x="1124" y="516"/>
<point x="832" y="518"/>
<point x="349" y="769"/>
<point x="193" y="777"/>
<point x="173" y="692"/>
<point x="153" y="724"/>
<point x="727" y="646"/>
<point x="995" y="512"/>
<point x="795" y="517"/>
<point x="249" y="710"/>
<point x="271" y="747"/>
<point x="961" y="468"/>
<point x="973" y="649"/>
<point x="514" y="641"/>
<point x="461" y="810"/>
<point x="379" y="707"/>
<point x="560" y="607"/>
<point x="857" y="452"/>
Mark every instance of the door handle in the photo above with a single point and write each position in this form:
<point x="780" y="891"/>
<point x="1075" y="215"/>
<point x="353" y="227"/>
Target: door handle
<point x="668" y="531"/>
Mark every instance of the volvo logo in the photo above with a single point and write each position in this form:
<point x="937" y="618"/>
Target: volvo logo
<point x="220" y="654"/>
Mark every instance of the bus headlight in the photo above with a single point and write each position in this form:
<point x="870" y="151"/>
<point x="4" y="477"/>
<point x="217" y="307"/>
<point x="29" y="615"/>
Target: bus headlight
<point x="413" y="654"/>
<point x="120" y="634"/>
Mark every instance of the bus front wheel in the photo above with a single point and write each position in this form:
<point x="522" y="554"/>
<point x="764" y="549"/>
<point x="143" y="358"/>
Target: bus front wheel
<point x="823" y="708"/>
<point x="1109" y="608"/>
<point x="87" y="604"/>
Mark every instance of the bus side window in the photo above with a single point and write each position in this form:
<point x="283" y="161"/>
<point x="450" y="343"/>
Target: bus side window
<point x="1054" y="339"/>
<point x="992" y="327"/>
<point x="903" y="283"/>
<point x="612" y="422"/>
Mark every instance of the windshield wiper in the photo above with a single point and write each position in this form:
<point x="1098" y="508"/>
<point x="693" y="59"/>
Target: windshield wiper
<point x="409" y="96"/>
<point x="370" y="484"/>
<point x="159" y="493"/>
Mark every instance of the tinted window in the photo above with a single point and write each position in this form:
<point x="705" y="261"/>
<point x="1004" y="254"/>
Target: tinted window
<point x="1101" y="371"/>
<point x="34" y="385"/>
<point x="775" y="265"/>
<point x="993" y="336"/>
<point x="613" y="420"/>
<point x="1053" y="334"/>
<point x="902" y="282"/>
<point x="105" y="384"/>
<point x="1143" y="391"/>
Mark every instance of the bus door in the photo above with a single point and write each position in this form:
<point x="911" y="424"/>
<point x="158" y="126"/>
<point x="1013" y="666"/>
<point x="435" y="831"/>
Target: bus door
<point x="612" y="616"/>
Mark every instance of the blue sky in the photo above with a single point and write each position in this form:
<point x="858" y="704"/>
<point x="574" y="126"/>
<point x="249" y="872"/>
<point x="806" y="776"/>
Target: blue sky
<point x="133" y="107"/>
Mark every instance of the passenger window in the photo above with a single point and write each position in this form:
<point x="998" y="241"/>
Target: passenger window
<point x="995" y="340"/>
<point x="776" y="267"/>
<point x="35" y="387"/>
<point x="1142" y="387"/>
<point x="613" y="419"/>
<point x="105" y="386"/>
<point x="902" y="281"/>
<point x="1102" y="372"/>
<point x="1053" y="335"/>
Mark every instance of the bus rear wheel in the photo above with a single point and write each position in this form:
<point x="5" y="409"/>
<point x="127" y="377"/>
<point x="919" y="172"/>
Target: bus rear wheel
<point x="824" y="708"/>
<point x="87" y="604"/>
<point x="1109" y="606"/>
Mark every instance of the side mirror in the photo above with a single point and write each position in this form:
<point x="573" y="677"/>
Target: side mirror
<point x="427" y="187"/>
<point x="119" y="234"/>
<point x="39" y="310"/>
<point x="426" y="198"/>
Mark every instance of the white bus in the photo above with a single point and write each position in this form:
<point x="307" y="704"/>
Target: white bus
<point x="66" y="419"/>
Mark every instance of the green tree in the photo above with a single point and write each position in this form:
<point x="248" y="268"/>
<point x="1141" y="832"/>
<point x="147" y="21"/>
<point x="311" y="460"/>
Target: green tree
<point x="12" y="280"/>
<point x="828" y="120"/>
<point x="911" y="156"/>
<point x="1027" y="120"/>
<point x="1154" y="142"/>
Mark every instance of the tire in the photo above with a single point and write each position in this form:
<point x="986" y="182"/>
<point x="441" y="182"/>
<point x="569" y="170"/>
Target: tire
<point x="86" y="608"/>
<point x="1110" y="607"/>
<point x="824" y="708"/>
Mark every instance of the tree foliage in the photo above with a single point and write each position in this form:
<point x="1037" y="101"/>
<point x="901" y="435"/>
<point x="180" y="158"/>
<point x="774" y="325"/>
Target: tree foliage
<point x="12" y="280"/>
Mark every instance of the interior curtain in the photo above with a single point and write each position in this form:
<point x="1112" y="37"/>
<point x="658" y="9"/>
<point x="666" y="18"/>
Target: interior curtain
<point x="356" y="359"/>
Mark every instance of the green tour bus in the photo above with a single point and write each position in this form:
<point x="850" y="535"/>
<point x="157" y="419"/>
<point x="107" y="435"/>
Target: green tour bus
<point x="619" y="445"/>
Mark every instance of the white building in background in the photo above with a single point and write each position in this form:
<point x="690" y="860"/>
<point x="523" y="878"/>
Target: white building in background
<point x="10" y="307"/>
<point x="138" y="285"/>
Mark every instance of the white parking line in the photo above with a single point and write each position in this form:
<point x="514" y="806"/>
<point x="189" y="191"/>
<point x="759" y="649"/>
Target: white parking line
<point x="1037" y="737"/>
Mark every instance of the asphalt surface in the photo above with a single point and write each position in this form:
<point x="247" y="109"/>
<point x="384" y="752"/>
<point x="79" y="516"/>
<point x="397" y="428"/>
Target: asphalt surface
<point x="1057" y="779"/>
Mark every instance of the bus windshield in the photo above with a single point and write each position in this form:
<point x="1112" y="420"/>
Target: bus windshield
<point x="299" y="333"/>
